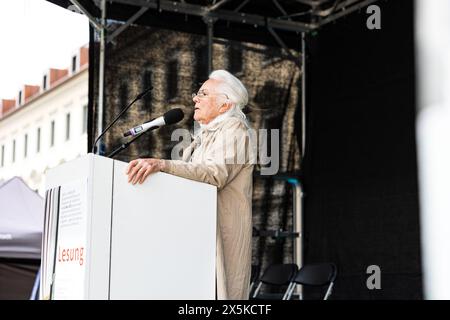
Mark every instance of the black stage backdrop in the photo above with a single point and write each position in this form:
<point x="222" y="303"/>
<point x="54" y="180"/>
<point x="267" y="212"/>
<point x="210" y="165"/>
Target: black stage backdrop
<point x="360" y="171"/>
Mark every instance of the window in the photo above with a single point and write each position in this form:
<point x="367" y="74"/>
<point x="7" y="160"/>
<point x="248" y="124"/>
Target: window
<point x="123" y="98"/>
<point x="85" y="118"/>
<point x="38" y="140"/>
<point x="68" y="126"/>
<point x="52" y="134"/>
<point x="14" y="151"/>
<point x="25" y="146"/>
<point x="44" y="83"/>
<point x="74" y="63"/>
<point x="235" y="59"/>
<point x="201" y="70"/>
<point x="172" y="79"/>
<point x="3" y="156"/>
<point x="20" y="97"/>
<point x="147" y="83"/>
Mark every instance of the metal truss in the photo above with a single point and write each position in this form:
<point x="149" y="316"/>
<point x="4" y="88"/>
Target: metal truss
<point x="273" y="15"/>
<point x="287" y="15"/>
<point x="92" y="20"/>
<point x="278" y="15"/>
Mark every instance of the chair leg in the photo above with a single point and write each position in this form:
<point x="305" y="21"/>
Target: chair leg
<point x="289" y="296"/>
<point x="257" y="290"/>
<point x="292" y="291"/>
<point x="330" y="288"/>
<point x="286" y="294"/>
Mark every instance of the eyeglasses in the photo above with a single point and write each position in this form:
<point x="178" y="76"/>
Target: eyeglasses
<point x="201" y="94"/>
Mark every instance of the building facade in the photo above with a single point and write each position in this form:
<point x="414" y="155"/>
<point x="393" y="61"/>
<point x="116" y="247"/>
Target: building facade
<point x="46" y="124"/>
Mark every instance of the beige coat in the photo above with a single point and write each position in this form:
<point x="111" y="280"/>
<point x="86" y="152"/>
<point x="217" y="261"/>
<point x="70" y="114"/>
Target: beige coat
<point x="213" y="157"/>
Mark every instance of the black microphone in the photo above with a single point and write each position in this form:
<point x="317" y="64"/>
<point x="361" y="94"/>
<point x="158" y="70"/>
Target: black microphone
<point x="170" y="117"/>
<point x="138" y="97"/>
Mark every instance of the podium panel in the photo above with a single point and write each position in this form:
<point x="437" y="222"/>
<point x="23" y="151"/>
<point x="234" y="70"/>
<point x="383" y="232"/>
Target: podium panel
<point x="166" y="238"/>
<point x="105" y="238"/>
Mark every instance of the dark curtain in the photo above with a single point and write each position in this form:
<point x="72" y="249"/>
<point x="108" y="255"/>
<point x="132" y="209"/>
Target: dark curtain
<point x="360" y="168"/>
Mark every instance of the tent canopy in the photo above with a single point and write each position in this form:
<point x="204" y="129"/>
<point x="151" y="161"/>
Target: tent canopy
<point x="21" y="220"/>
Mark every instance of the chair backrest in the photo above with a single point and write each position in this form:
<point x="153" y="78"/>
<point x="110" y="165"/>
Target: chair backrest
<point x="276" y="275"/>
<point x="279" y="274"/>
<point x="318" y="274"/>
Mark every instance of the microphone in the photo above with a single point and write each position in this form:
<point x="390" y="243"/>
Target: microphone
<point x="170" y="117"/>
<point x="138" y="97"/>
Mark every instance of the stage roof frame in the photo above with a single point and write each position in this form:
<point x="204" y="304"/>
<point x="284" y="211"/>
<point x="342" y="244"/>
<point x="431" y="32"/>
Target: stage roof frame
<point x="271" y="22"/>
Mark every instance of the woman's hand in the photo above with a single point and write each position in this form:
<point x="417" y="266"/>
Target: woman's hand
<point x="138" y="170"/>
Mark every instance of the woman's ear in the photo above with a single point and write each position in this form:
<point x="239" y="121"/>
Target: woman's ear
<point x="225" y="107"/>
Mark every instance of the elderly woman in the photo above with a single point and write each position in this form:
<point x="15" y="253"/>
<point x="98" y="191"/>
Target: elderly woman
<point x="221" y="155"/>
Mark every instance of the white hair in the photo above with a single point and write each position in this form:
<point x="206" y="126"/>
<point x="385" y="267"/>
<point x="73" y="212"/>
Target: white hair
<point x="234" y="89"/>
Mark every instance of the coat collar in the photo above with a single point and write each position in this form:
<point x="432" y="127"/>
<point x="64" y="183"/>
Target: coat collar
<point x="215" y="123"/>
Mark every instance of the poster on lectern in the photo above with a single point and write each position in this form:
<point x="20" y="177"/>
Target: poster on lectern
<point x="70" y="252"/>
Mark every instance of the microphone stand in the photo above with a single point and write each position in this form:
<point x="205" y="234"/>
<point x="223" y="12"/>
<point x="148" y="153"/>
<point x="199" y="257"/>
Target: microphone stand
<point x="125" y="145"/>
<point x="138" y="97"/>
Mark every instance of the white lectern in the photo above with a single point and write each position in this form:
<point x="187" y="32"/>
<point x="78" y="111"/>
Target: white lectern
<point x="105" y="238"/>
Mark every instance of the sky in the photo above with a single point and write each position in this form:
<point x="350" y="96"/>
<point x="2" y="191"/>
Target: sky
<point x="36" y="35"/>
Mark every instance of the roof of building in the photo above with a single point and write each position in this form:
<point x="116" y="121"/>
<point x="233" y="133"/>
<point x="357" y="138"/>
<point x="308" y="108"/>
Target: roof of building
<point x="54" y="79"/>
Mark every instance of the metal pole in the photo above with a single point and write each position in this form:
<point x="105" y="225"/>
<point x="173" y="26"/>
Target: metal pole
<point x="101" y="73"/>
<point x="298" y="227"/>
<point x="303" y="94"/>
<point x="120" y="29"/>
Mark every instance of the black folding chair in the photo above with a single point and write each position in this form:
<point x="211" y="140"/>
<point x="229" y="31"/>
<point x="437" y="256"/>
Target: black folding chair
<point x="317" y="275"/>
<point x="276" y="275"/>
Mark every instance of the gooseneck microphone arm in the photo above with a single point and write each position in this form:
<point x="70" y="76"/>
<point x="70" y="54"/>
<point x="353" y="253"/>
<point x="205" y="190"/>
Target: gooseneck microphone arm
<point x="170" y="117"/>
<point x="125" y="145"/>
<point x="138" y="97"/>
